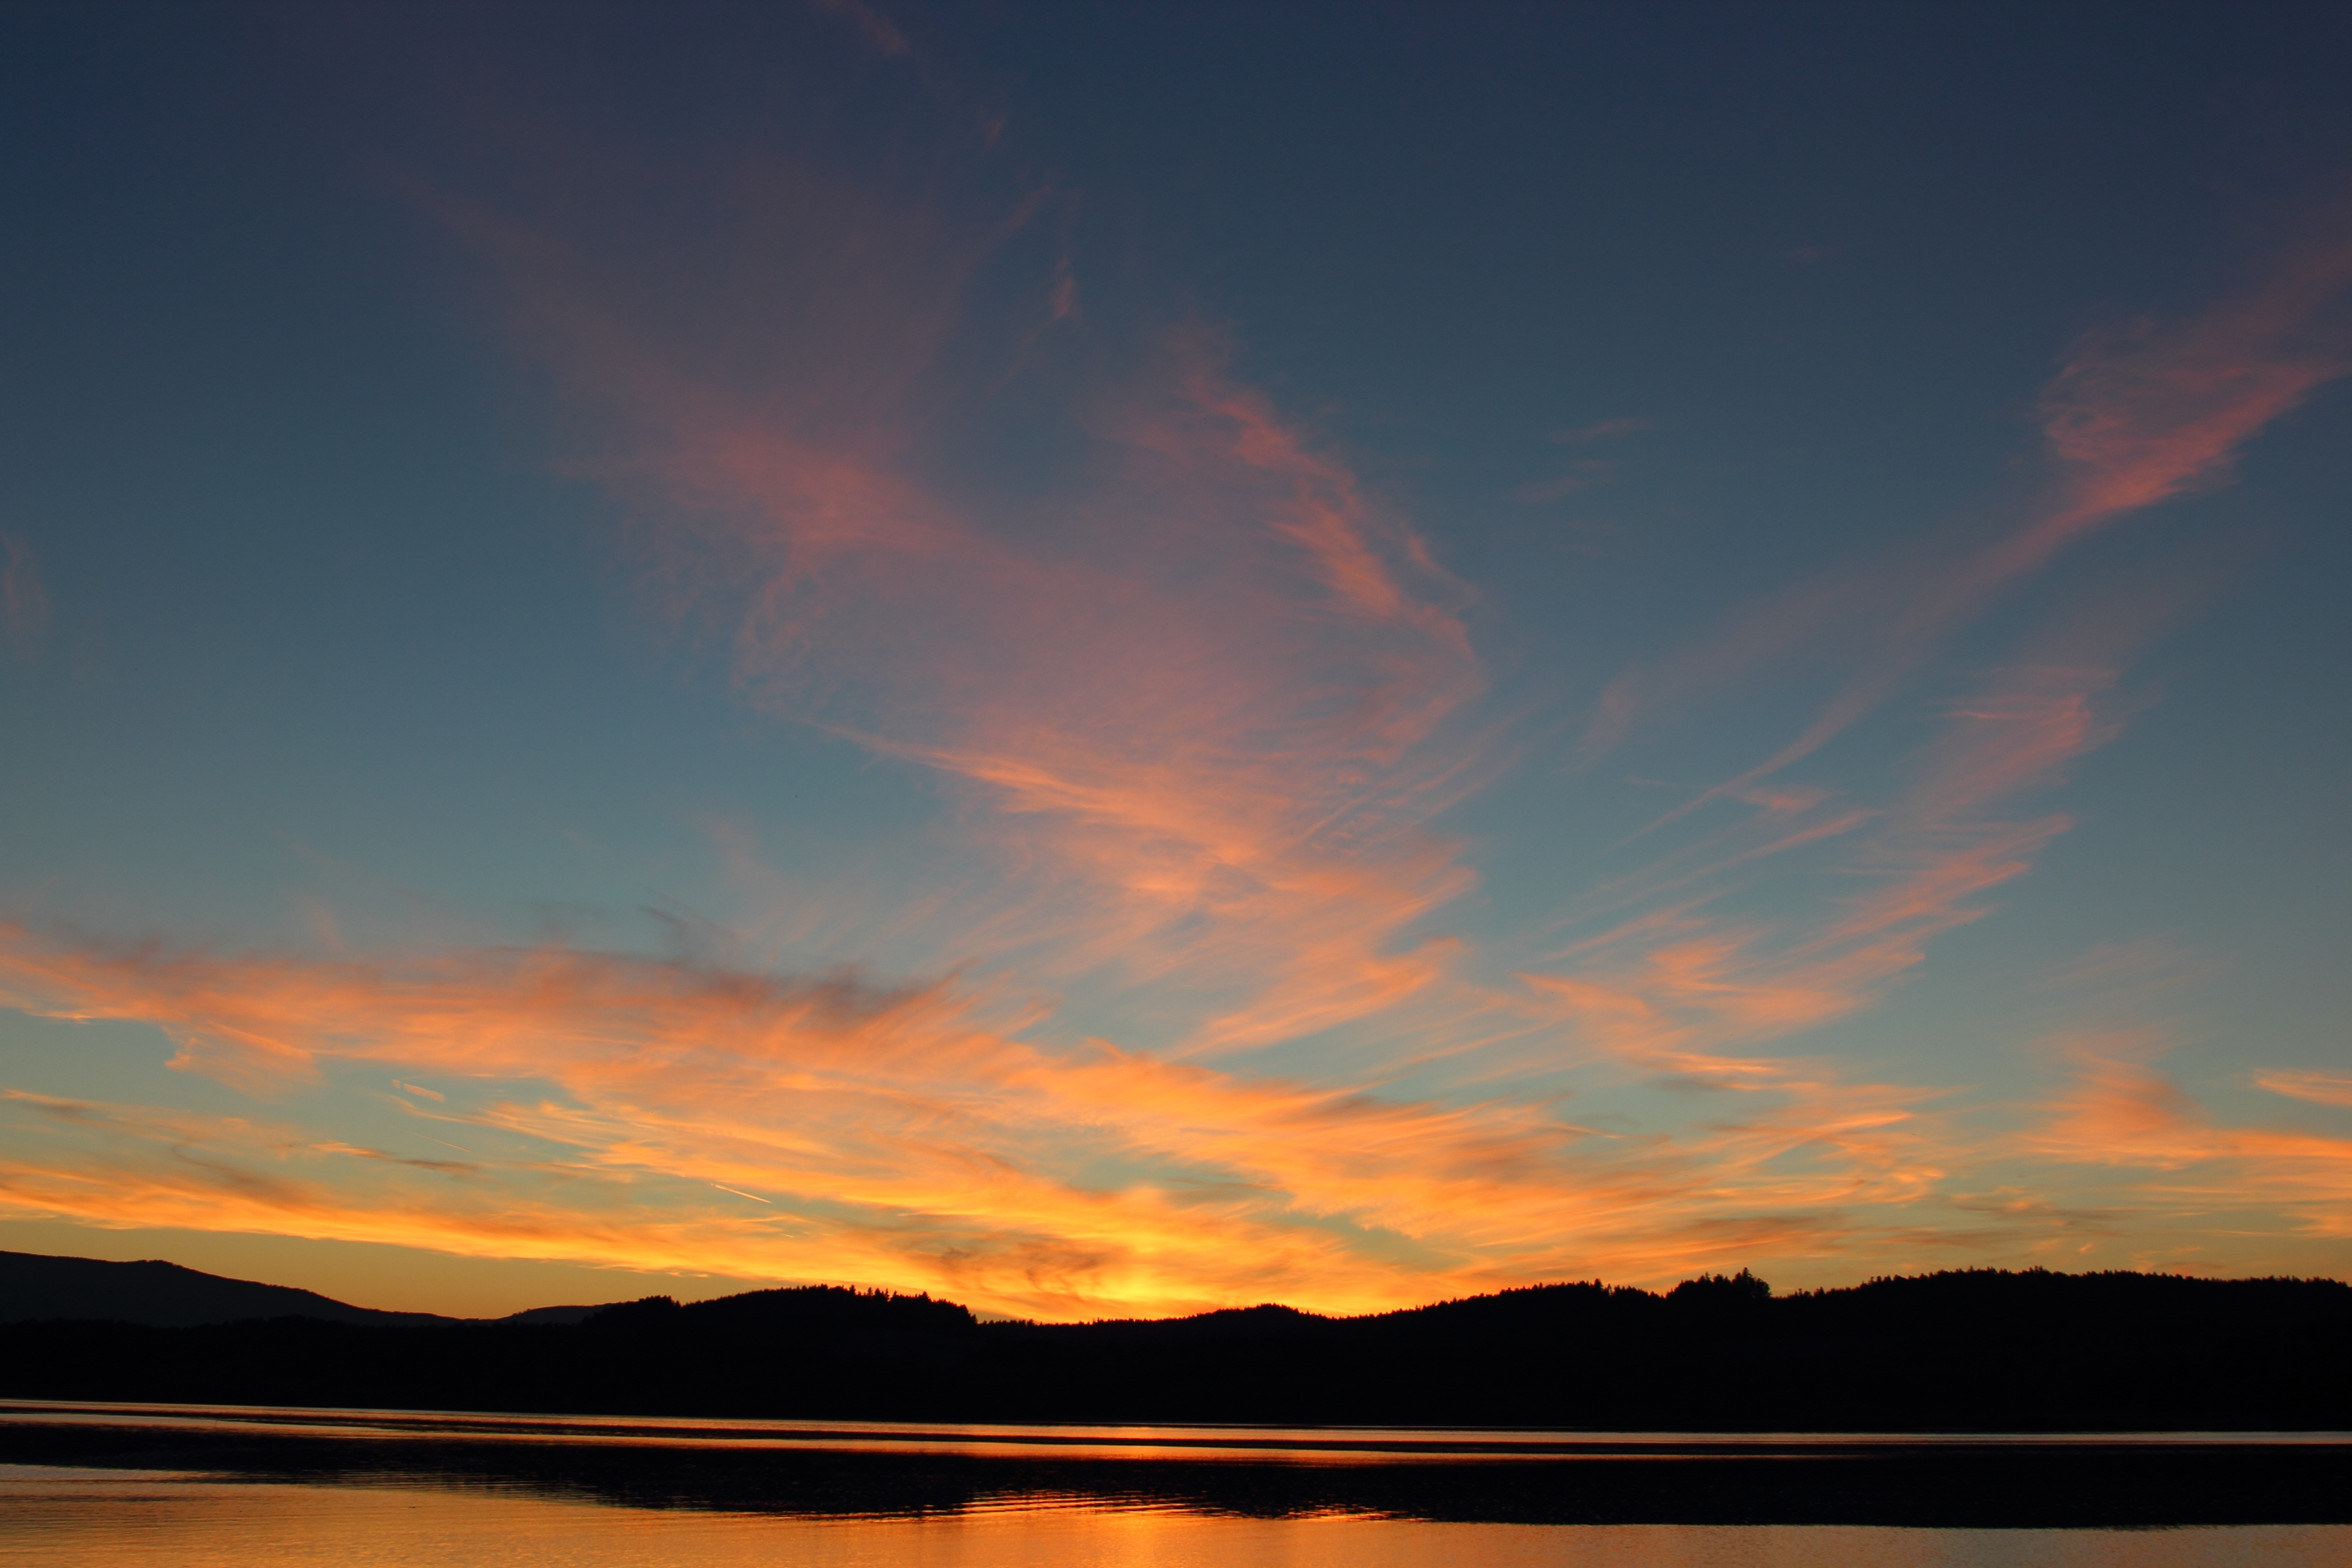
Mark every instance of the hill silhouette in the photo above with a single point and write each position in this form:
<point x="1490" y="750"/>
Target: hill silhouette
<point x="156" y="1294"/>
<point x="1973" y="1350"/>
<point x="165" y="1295"/>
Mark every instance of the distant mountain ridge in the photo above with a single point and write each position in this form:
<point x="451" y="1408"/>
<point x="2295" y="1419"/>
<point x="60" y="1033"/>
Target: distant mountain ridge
<point x="36" y="1286"/>
<point x="1974" y="1349"/>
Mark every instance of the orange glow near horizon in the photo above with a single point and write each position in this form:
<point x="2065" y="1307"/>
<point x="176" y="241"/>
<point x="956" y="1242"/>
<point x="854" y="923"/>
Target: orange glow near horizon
<point x="619" y="1111"/>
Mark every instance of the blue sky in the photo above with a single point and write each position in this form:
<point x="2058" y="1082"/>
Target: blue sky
<point x="1137" y="659"/>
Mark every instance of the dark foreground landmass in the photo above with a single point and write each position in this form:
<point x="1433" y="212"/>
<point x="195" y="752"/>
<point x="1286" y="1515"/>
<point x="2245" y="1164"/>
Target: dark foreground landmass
<point x="1945" y="1483"/>
<point x="1979" y="1349"/>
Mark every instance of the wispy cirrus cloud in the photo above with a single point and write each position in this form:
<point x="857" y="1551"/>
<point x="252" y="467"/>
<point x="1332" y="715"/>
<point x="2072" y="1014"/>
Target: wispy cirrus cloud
<point x="1675" y="985"/>
<point x="2122" y="1112"/>
<point x="2308" y="1084"/>
<point x="1670" y="982"/>
<point x="884" y="1136"/>
<point x="2137" y="414"/>
<point x="2147" y="410"/>
<point x="1215" y="699"/>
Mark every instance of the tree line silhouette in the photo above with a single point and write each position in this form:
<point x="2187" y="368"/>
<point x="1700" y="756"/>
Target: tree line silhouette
<point x="1968" y="1349"/>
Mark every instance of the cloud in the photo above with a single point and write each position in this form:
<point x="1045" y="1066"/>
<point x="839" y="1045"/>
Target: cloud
<point x="2318" y="1087"/>
<point x="891" y="1137"/>
<point x="1215" y="700"/>
<point x="2149" y="410"/>
<point x="1669" y="986"/>
<point x="2123" y="1113"/>
<point x="1062" y="295"/>
<point x="2136" y="416"/>
<point x="1680" y="992"/>
<point x="1212" y="700"/>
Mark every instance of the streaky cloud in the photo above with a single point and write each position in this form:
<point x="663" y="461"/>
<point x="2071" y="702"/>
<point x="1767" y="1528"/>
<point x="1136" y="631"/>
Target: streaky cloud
<point x="2308" y="1084"/>
<point x="895" y="1138"/>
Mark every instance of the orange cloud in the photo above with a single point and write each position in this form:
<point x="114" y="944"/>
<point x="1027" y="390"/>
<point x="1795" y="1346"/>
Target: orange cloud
<point x="1671" y="988"/>
<point x="2318" y="1087"/>
<point x="2123" y="1113"/>
<point x="659" y="1115"/>
<point x="891" y="1139"/>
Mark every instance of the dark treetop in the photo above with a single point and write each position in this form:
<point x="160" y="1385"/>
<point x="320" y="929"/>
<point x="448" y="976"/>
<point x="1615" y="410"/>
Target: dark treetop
<point x="1980" y="1349"/>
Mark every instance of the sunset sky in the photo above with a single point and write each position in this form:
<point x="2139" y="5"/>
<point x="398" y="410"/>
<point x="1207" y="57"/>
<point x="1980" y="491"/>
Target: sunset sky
<point x="1111" y="660"/>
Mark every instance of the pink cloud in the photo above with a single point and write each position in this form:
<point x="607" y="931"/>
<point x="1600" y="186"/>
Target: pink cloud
<point x="1214" y="701"/>
<point x="2136" y="417"/>
<point x="2123" y="1113"/>
<point x="1673" y="987"/>
<point x="2151" y="410"/>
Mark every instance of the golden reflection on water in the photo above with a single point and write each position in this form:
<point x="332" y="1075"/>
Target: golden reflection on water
<point x="50" y="1518"/>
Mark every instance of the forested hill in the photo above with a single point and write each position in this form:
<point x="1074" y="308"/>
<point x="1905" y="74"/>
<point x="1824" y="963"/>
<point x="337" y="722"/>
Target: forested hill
<point x="163" y="1295"/>
<point x="1981" y="1350"/>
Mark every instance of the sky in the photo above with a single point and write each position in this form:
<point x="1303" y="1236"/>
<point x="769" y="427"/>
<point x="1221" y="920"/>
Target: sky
<point x="1111" y="660"/>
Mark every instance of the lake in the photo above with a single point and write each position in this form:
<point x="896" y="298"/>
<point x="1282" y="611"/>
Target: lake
<point x="243" y="1488"/>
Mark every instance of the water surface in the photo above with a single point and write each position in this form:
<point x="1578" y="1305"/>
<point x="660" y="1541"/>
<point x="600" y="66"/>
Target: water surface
<point x="252" y="1487"/>
<point x="51" y="1517"/>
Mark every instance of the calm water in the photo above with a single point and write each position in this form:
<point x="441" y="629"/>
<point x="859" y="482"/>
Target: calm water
<point x="251" y="1489"/>
<point x="60" y="1516"/>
